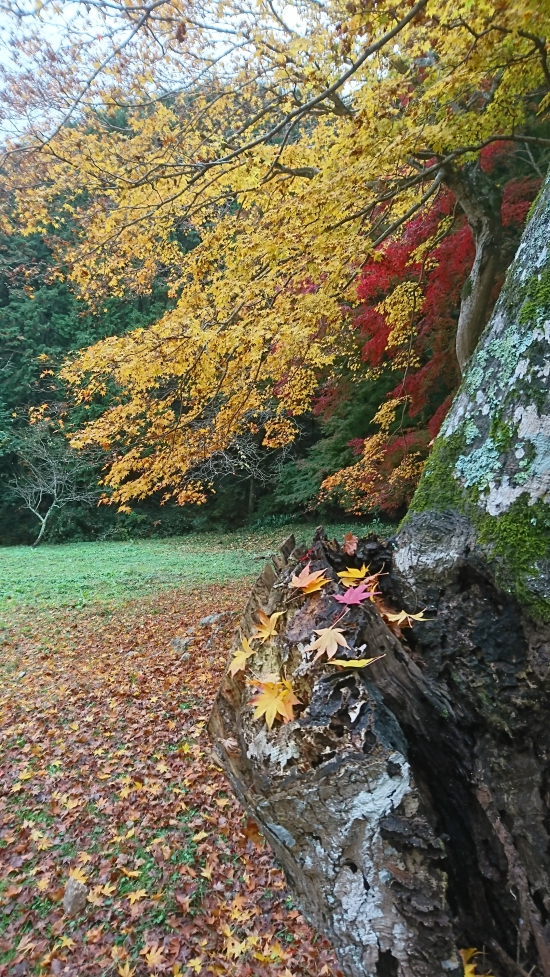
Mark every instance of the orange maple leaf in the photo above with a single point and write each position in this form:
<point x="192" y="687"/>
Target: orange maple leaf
<point x="276" y="698"/>
<point x="266" y="629"/>
<point x="309" y="582"/>
<point x="350" y="544"/>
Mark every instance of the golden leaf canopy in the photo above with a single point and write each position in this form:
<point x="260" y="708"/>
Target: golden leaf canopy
<point x="286" y="141"/>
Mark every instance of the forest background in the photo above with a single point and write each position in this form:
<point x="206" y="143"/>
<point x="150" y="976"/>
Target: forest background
<point x="43" y="322"/>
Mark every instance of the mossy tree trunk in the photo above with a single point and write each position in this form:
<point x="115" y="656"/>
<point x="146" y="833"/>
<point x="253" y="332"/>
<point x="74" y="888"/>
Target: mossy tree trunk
<point x="409" y="801"/>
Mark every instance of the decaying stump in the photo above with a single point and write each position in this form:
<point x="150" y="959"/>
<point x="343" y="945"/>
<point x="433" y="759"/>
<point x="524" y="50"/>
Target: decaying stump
<point x="407" y="801"/>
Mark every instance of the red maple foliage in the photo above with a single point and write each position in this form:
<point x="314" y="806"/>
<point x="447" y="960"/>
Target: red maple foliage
<point x="434" y="254"/>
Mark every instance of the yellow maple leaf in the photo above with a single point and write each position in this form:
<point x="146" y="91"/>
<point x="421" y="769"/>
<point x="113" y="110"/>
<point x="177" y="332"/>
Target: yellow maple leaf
<point x="124" y="970"/>
<point x="195" y="964"/>
<point x="153" y="956"/>
<point x="200" y="836"/>
<point x="469" y="967"/>
<point x="404" y="620"/>
<point x="78" y="874"/>
<point x="355" y="662"/>
<point x="351" y="576"/>
<point x="276" y="698"/>
<point x="66" y="941"/>
<point x="240" y="658"/>
<point x="136" y="895"/>
<point x="309" y="582"/>
<point x="329" y="640"/>
<point x="108" y="889"/>
<point x="267" y="627"/>
<point x="95" y="896"/>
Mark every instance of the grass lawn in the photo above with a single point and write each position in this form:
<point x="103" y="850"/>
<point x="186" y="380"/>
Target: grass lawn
<point x="79" y="574"/>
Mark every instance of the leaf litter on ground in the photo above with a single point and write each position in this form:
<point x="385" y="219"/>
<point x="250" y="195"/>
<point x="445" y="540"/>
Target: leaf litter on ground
<point x="107" y="775"/>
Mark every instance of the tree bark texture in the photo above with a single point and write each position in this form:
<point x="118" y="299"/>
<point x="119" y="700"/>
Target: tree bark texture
<point x="409" y="801"/>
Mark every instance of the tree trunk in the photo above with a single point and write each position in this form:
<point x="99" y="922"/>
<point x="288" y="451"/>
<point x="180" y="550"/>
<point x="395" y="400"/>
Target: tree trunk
<point x="251" y="496"/>
<point x="480" y="200"/>
<point x="409" y="801"/>
<point x="43" y="523"/>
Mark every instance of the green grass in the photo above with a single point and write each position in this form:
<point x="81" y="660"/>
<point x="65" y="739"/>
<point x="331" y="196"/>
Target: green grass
<point x="77" y="574"/>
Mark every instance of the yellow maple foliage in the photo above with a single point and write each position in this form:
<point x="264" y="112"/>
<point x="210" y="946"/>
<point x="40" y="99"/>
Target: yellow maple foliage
<point x="403" y="619"/>
<point x="125" y="970"/>
<point x="78" y="875"/>
<point x="136" y="895"/>
<point x="297" y="142"/>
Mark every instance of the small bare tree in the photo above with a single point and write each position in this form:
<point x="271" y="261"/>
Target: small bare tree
<point x="50" y="474"/>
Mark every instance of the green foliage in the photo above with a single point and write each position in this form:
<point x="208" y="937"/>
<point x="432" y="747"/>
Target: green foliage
<point x="41" y="322"/>
<point x="300" y="480"/>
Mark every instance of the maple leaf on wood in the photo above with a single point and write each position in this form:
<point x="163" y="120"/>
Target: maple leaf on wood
<point x="276" y="698"/>
<point x="355" y="595"/>
<point x="240" y="658"/>
<point x="308" y="581"/>
<point x="402" y="619"/>
<point x="267" y="627"/>
<point x="349" y="546"/>
<point x="329" y="640"/>
<point x="351" y="576"/>
<point x="355" y="662"/>
<point x="470" y="968"/>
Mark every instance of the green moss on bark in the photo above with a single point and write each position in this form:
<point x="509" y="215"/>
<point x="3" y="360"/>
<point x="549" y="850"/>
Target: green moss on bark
<point x="519" y="541"/>
<point x="516" y="542"/>
<point x="438" y="488"/>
